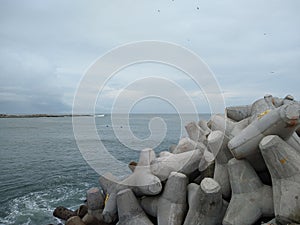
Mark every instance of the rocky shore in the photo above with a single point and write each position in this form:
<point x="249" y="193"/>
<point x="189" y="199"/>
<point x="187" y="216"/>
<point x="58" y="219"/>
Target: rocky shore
<point x="239" y="169"/>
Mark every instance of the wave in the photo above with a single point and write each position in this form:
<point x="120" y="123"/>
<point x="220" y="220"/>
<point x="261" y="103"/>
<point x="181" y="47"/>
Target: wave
<point x="37" y="207"/>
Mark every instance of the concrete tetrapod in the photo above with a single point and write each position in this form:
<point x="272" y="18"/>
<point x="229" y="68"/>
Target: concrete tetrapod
<point x="195" y="132"/>
<point x="129" y="209"/>
<point x="217" y="144"/>
<point x="261" y="107"/>
<point x="250" y="199"/>
<point x="95" y="203"/>
<point x="141" y="181"/>
<point x="282" y="121"/>
<point x="203" y="125"/>
<point x="288" y="99"/>
<point x="206" y="206"/>
<point x="186" y="163"/>
<point x="238" y="113"/>
<point x="186" y="144"/>
<point x="294" y="141"/>
<point x="226" y="125"/>
<point x="110" y="186"/>
<point x="283" y="163"/>
<point x="206" y="160"/>
<point x="171" y="206"/>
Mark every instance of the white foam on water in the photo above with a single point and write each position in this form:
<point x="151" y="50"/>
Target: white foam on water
<point x="37" y="207"/>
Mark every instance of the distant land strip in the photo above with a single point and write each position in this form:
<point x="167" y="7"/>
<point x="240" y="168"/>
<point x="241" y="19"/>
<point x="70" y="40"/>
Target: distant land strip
<point x="39" y="115"/>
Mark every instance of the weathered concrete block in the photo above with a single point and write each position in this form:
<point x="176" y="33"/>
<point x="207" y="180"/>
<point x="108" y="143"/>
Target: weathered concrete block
<point x="110" y="186"/>
<point x="95" y="199"/>
<point x="288" y="99"/>
<point x="195" y="132"/>
<point x="282" y="121"/>
<point x="185" y="163"/>
<point x="206" y="206"/>
<point x="220" y="122"/>
<point x="250" y="199"/>
<point x="172" y="148"/>
<point x="129" y="210"/>
<point x="206" y="160"/>
<point x="238" y="113"/>
<point x="142" y="181"/>
<point x="217" y="144"/>
<point x="229" y="127"/>
<point x="186" y="144"/>
<point x="283" y="163"/>
<point x="164" y="154"/>
<point x="294" y="141"/>
<point x="203" y="125"/>
<point x="171" y="206"/>
<point x="277" y="102"/>
<point x="261" y="107"/>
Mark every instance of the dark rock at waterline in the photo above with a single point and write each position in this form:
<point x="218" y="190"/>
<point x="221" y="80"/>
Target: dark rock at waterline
<point x="88" y="219"/>
<point x="63" y="213"/>
<point x="81" y="211"/>
<point x="74" y="220"/>
<point x="132" y="165"/>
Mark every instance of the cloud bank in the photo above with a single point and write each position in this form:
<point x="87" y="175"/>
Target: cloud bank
<point x="46" y="46"/>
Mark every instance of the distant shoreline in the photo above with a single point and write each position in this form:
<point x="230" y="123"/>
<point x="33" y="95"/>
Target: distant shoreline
<point x="39" y="115"/>
<point x="77" y="115"/>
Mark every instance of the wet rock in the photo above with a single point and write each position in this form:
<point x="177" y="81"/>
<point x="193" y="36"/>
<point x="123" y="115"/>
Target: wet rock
<point x="63" y="213"/>
<point x="81" y="211"/>
<point x="74" y="220"/>
<point x="132" y="165"/>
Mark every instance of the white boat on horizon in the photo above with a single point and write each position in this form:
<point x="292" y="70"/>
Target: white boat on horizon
<point x="99" y="115"/>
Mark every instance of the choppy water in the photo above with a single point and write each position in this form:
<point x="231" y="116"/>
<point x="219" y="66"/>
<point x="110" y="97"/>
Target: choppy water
<point x="41" y="166"/>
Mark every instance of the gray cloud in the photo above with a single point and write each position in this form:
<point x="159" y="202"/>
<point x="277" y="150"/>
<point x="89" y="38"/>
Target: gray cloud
<point x="46" y="46"/>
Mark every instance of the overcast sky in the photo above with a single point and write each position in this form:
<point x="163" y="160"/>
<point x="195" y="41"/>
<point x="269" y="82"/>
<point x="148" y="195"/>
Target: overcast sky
<point x="252" y="47"/>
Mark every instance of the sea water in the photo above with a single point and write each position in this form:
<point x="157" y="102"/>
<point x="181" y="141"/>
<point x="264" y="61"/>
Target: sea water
<point x="41" y="166"/>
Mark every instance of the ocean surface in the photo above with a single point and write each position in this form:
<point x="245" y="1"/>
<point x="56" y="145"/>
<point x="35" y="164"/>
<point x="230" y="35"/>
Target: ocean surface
<point x="42" y="167"/>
